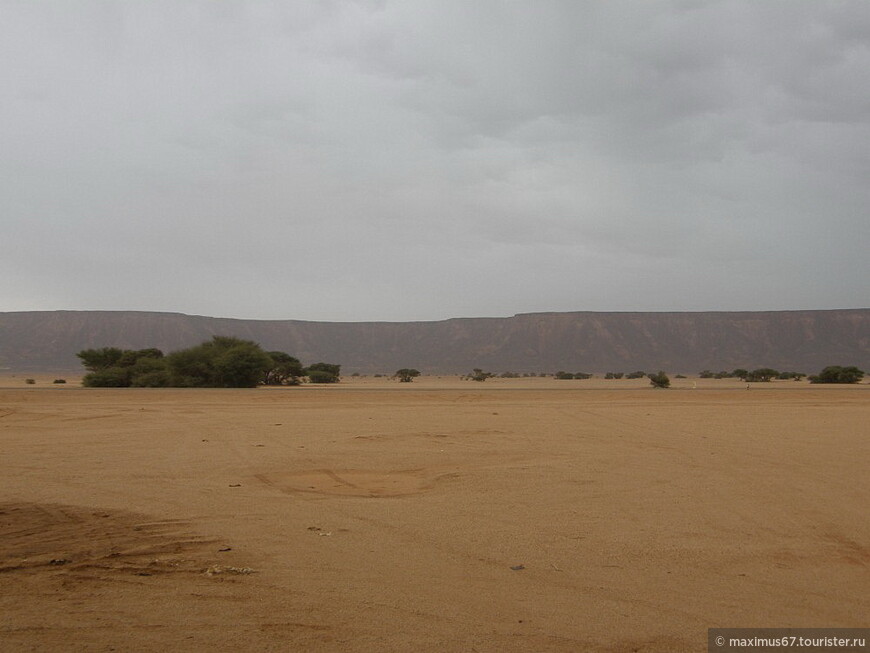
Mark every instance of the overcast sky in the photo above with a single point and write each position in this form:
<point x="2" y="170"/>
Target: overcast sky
<point x="420" y="160"/>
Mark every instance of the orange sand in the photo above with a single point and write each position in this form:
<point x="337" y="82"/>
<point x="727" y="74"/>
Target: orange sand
<point x="377" y="516"/>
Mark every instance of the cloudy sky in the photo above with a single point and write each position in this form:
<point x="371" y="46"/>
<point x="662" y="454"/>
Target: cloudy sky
<point x="425" y="159"/>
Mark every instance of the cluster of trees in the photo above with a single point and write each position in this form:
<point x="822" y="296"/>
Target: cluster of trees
<point x="837" y="374"/>
<point x="222" y="362"/>
<point x="831" y="374"/>
<point x="631" y="375"/>
<point x="762" y="374"/>
<point x="572" y="375"/>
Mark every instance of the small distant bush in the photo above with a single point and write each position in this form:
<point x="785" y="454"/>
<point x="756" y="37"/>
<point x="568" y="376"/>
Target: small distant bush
<point x="59" y="381"/>
<point x="563" y="375"/>
<point x="30" y="381"/>
<point x="635" y="375"/>
<point x="614" y="375"/>
<point x="582" y="376"/>
<point x="659" y="380"/>
<point x="679" y="376"/>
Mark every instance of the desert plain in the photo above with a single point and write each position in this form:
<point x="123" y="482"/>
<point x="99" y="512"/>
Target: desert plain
<point x="440" y="515"/>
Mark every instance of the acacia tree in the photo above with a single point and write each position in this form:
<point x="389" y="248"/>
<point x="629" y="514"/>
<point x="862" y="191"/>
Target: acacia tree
<point x="222" y="362"/>
<point x="479" y="375"/>
<point x="406" y="375"/>
<point x="95" y="360"/>
<point x="761" y="375"/>
<point x="285" y="370"/>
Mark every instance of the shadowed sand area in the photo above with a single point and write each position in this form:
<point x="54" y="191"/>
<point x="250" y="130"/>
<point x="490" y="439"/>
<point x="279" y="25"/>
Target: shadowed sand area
<point x="513" y="515"/>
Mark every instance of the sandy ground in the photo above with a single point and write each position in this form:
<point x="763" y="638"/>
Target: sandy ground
<point x="442" y="515"/>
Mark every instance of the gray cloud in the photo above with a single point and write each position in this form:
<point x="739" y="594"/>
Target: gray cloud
<point x="421" y="160"/>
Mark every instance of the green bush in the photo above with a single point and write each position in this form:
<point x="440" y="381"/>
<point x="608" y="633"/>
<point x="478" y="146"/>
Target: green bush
<point x="285" y="369"/>
<point x="111" y="377"/>
<point x="321" y="376"/>
<point x="223" y="362"/>
<point x="323" y="372"/>
<point x="659" y="380"/>
<point x="837" y="374"/>
<point x="155" y="379"/>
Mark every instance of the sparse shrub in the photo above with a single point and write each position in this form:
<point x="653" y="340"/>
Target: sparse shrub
<point x="614" y="375"/>
<point x="478" y="374"/>
<point x="30" y="381"/>
<point x="740" y="373"/>
<point x="563" y="375"/>
<point x="679" y="376"/>
<point x="705" y="374"/>
<point x="59" y="381"/>
<point x="659" y="380"/>
<point x="635" y="375"/>
<point x="837" y="374"/>
<point x="582" y="376"/>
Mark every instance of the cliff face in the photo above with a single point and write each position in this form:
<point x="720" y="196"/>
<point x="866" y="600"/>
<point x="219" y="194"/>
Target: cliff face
<point x="802" y="341"/>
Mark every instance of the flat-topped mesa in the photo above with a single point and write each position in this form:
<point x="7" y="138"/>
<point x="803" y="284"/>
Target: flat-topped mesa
<point x="535" y="342"/>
